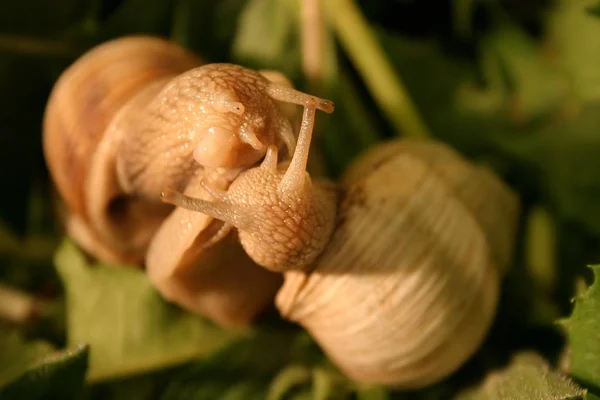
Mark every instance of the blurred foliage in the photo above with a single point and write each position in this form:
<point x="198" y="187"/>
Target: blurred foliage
<point x="512" y="84"/>
<point x="582" y="328"/>
<point x="125" y="321"/>
<point x="527" y="377"/>
<point x="35" y="371"/>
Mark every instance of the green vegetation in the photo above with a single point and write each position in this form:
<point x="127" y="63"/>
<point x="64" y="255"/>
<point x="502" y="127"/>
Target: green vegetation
<point x="511" y="84"/>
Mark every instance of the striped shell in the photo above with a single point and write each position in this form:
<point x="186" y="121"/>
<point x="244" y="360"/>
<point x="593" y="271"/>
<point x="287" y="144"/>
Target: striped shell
<point x="407" y="288"/>
<point x="83" y="102"/>
<point x="108" y="90"/>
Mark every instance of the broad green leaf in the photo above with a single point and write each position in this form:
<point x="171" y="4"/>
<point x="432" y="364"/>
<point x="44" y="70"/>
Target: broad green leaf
<point x="528" y="377"/>
<point x="564" y="152"/>
<point x="583" y="330"/>
<point x="247" y="366"/>
<point x="266" y="36"/>
<point x="18" y="355"/>
<point x="59" y="375"/>
<point x="129" y="18"/>
<point x="323" y="383"/>
<point x="141" y="387"/>
<point x="273" y="363"/>
<point x="436" y="83"/>
<point x="212" y="38"/>
<point x="574" y="37"/>
<point x="536" y="85"/>
<point x="372" y="393"/>
<point x="129" y="327"/>
<point x="40" y="17"/>
<point x="594" y="9"/>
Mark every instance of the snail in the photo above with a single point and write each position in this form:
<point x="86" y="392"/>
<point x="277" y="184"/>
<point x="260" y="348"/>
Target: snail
<point x="394" y="271"/>
<point x="405" y="288"/>
<point x="138" y="114"/>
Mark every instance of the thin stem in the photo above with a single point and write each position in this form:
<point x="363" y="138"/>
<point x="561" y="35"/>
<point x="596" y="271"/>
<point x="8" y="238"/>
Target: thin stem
<point x="358" y="116"/>
<point x="19" y="307"/>
<point x="34" y="248"/>
<point x="34" y="46"/>
<point x="359" y="41"/>
<point x="463" y="12"/>
<point x="15" y="306"/>
<point x="312" y="43"/>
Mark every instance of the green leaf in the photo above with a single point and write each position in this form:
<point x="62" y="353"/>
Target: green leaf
<point x="129" y="18"/>
<point x="564" y="152"/>
<point x="288" y="378"/>
<point x="129" y="327"/>
<point x="59" y="375"/>
<point x="372" y="393"/>
<point x="248" y="365"/>
<point x="594" y="9"/>
<point x="211" y="39"/>
<point x="48" y="16"/>
<point x="528" y="377"/>
<point x="583" y="328"/>
<point x="272" y="363"/>
<point x="267" y="36"/>
<point x="436" y="84"/>
<point x="18" y="355"/>
<point x="536" y="85"/>
<point x="574" y="35"/>
<point x="34" y="370"/>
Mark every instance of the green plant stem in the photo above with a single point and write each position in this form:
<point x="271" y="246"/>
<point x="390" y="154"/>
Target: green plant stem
<point x="462" y="14"/>
<point x="385" y="85"/>
<point x="34" y="46"/>
<point x="33" y="248"/>
<point x="19" y="307"/>
<point x="312" y="43"/>
<point x="358" y="115"/>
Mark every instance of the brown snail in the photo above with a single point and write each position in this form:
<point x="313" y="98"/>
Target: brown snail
<point x="138" y="114"/>
<point x="395" y="272"/>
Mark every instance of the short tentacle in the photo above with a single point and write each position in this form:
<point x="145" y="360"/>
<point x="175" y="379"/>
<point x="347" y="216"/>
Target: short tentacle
<point x="229" y="102"/>
<point x="250" y="138"/>
<point x="295" y="176"/>
<point x="270" y="160"/>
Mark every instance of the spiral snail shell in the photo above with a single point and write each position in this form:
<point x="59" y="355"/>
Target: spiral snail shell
<point x="408" y="285"/>
<point x="138" y="114"/>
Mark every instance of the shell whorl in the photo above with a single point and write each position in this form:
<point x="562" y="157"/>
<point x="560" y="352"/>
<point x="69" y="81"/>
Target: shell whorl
<point x="89" y="94"/>
<point x="407" y="288"/>
<point x="84" y="102"/>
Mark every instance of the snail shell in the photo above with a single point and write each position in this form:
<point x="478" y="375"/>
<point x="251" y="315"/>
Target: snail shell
<point x="407" y="288"/>
<point x="124" y="121"/>
<point x="83" y="103"/>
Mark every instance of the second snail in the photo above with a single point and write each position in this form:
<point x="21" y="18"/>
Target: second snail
<point x="196" y="173"/>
